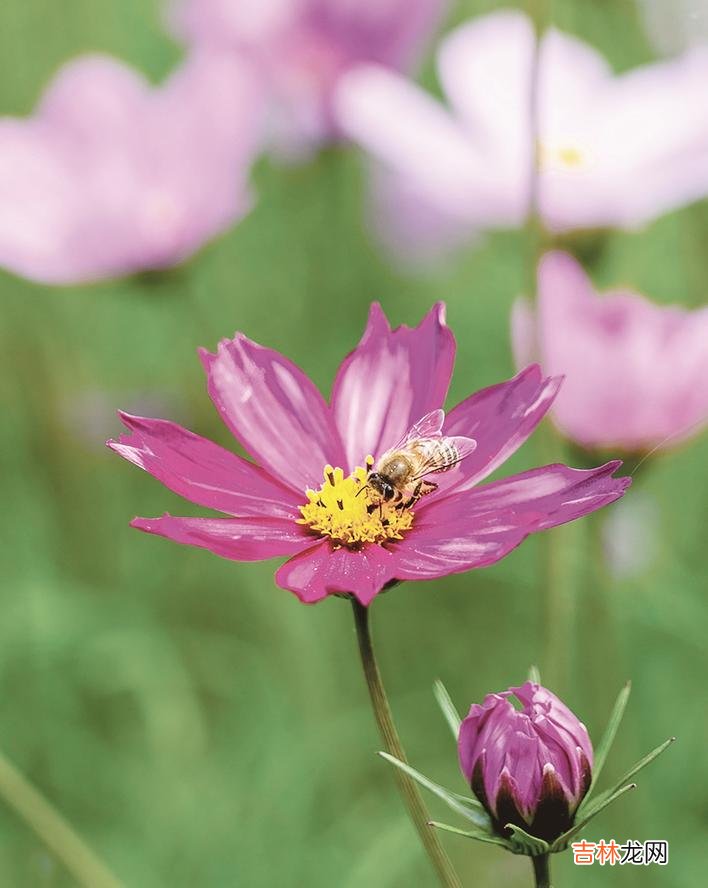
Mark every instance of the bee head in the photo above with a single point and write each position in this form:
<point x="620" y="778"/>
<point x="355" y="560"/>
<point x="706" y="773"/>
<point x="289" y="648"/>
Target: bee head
<point x="381" y="485"/>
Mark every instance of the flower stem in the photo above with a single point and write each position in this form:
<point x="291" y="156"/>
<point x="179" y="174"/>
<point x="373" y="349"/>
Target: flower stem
<point x="542" y="870"/>
<point x="19" y="794"/>
<point x="382" y="712"/>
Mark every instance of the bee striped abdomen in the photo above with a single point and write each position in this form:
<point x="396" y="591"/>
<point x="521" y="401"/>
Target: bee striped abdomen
<point x="437" y="454"/>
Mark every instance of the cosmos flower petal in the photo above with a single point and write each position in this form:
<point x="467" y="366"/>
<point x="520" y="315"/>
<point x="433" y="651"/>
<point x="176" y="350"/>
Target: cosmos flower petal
<point x="634" y="371"/>
<point x="274" y="410"/>
<point x="302" y="48"/>
<point x="92" y="97"/>
<point x="391" y="380"/>
<point x="403" y="128"/>
<point x="557" y="712"/>
<point x="606" y="156"/>
<point x="324" y="570"/>
<point x="499" y="418"/>
<point x="203" y="472"/>
<point x="107" y="177"/>
<point x="415" y="230"/>
<point x="496" y="52"/>
<point x="240" y="539"/>
<point x="476" y="528"/>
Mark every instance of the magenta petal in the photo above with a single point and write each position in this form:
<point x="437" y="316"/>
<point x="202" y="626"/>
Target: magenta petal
<point x="203" y="472"/>
<point x="391" y="380"/>
<point x="274" y="410"/>
<point x="240" y="539"/>
<point x="322" y="571"/>
<point x="476" y="528"/>
<point x="500" y="418"/>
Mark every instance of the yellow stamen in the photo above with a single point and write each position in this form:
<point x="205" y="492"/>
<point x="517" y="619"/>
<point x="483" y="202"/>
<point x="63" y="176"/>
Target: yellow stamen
<point x="567" y="157"/>
<point x="348" y="512"/>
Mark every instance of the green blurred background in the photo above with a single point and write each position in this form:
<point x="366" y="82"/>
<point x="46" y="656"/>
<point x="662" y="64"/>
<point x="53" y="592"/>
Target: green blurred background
<point x="199" y="726"/>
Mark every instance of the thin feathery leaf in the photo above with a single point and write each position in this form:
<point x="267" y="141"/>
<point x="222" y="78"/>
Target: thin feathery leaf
<point x="471" y="834"/>
<point x="445" y="703"/>
<point x="562" y="841"/>
<point x="608" y="737"/>
<point x="589" y="810"/>
<point x="452" y="800"/>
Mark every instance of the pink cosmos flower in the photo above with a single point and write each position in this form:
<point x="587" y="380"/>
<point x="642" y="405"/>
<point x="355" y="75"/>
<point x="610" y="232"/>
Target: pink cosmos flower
<point x="112" y="176"/>
<point x="615" y="150"/>
<point x="635" y="373"/>
<point x="304" y="46"/>
<point x="530" y="767"/>
<point x="302" y="496"/>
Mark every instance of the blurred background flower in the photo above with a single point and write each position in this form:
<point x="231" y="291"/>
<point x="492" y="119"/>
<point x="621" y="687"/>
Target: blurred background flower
<point x="302" y="48"/>
<point x="112" y="176"/>
<point x="606" y="156"/>
<point x="634" y="372"/>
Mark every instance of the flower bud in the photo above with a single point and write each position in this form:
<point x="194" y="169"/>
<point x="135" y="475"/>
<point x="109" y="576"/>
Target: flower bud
<point x="530" y="767"/>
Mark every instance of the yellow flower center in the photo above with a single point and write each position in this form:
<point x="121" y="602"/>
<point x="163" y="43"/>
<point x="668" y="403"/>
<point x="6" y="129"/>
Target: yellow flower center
<point x="345" y="510"/>
<point x="565" y="157"/>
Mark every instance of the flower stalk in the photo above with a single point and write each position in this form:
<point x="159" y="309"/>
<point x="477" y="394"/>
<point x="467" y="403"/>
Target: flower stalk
<point x="542" y="870"/>
<point x="49" y="825"/>
<point x="382" y="712"/>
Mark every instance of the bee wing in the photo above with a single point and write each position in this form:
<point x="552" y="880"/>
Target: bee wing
<point x="448" y="453"/>
<point x="429" y="426"/>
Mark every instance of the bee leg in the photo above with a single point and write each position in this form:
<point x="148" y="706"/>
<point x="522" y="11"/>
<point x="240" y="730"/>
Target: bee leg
<point x="426" y="487"/>
<point x="414" y="497"/>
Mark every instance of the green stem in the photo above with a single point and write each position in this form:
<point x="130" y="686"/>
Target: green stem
<point x="52" y="829"/>
<point x="542" y="870"/>
<point x="382" y="712"/>
<point x="558" y="610"/>
<point x="557" y="603"/>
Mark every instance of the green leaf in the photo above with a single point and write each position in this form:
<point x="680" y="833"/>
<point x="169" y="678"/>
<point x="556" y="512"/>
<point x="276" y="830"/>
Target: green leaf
<point x="525" y="843"/>
<point x="590" y="810"/>
<point x="562" y="841"/>
<point x="645" y="760"/>
<point x="474" y="813"/>
<point x="445" y="703"/>
<point x="534" y="675"/>
<point x="472" y="834"/>
<point x="607" y="740"/>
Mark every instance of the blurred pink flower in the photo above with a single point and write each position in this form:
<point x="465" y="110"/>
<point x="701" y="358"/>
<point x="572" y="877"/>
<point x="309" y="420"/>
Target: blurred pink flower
<point x="302" y="498"/>
<point x="112" y="176"/>
<point x="304" y="46"/>
<point x="635" y="373"/>
<point x="614" y="150"/>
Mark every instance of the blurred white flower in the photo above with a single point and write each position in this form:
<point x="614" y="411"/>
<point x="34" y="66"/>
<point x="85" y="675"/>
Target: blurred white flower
<point x="614" y="150"/>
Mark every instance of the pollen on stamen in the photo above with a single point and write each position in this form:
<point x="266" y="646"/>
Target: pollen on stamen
<point x="561" y="157"/>
<point x="345" y="510"/>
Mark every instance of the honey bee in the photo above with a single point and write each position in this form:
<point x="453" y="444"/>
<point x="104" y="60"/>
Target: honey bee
<point x="399" y="475"/>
